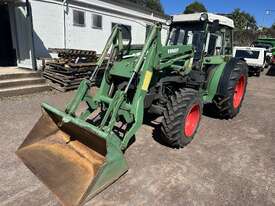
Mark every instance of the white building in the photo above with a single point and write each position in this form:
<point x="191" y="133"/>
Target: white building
<point x="33" y="26"/>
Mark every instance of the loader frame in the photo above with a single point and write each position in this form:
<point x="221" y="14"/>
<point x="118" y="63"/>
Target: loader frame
<point x="93" y="140"/>
<point x="132" y="111"/>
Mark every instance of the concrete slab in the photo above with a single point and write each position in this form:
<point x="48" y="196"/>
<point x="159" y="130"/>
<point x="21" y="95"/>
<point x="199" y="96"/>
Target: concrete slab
<point x="228" y="163"/>
<point x="13" y="70"/>
<point x="21" y="90"/>
<point x="21" y="82"/>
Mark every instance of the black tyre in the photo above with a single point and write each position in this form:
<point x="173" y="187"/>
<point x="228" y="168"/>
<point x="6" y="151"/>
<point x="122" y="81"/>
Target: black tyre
<point x="232" y="89"/>
<point x="262" y="69"/>
<point x="267" y="62"/>
<point x="181" y="118"/>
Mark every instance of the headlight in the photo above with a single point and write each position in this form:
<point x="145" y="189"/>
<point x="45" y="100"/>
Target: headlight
<point x="168" y="22"/>
<point x="204" y="17"/>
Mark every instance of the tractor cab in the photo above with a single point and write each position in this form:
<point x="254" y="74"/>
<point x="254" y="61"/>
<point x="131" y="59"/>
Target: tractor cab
<point x="209" y="34"/>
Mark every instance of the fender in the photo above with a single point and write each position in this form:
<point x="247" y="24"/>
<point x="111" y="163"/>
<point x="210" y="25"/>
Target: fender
<point x="221" y="73"/>
<point x="213" y="82"/>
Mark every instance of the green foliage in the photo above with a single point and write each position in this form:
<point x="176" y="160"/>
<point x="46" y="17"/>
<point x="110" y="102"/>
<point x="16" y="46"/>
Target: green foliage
<point x="155" y="5"/>
<point x="243" y="20"/>
<point x="273" y="26"/>
<point x="195" y="7"/>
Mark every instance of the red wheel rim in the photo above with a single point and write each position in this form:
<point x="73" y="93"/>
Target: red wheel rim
<point x="239" y="92"/>
<point x="191" y="121"/>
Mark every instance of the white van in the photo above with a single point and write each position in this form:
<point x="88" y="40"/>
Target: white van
<point x="254" y="57"/>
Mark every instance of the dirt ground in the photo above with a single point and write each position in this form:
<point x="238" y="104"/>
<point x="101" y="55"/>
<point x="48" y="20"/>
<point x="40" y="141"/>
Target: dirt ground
<point x="229" y="162"/>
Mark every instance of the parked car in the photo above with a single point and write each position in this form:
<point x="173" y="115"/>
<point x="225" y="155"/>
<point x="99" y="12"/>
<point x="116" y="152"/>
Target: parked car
<point x="273" y="56"/>
<point x="269" y="45"/>
<point x="254" y="57"/>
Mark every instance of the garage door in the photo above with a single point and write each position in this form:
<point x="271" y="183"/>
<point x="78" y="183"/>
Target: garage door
<point x="24" y="37"/>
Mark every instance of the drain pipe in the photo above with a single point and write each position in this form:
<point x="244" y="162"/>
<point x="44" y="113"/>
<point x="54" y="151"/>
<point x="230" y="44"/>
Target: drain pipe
<point x="33" y="54"/>
<point x="65" y="12"/>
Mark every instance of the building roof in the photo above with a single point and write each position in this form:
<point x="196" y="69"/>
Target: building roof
<point x="124" y="7"/>
<point x="136" y="6"/>
<point x="211" y="18"/>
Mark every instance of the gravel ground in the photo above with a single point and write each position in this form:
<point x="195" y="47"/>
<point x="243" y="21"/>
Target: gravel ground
<point x="229" y="162"/>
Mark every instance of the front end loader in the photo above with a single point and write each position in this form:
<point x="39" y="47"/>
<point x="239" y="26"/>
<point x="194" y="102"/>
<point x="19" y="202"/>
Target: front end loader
<point x="79" y="151"/>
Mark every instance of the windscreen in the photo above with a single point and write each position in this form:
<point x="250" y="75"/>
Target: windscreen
<point x="247" y="54"/>
<point x="188" y="33"/>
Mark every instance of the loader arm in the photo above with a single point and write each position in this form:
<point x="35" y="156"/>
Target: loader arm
<point x="117" y="104"/>
<point x="78" y="155"/>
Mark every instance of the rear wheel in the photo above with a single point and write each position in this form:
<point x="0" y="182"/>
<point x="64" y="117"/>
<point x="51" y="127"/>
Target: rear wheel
<point x="181" y="118"/>
<point x="267" y="62"/>
<point x="228" y="105"/>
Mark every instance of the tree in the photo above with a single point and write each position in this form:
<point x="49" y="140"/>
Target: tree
<point x="155" y="5"/>
<point x="243" y="20"/>
<point x="273" y="26"/>
<point x="195" y="7"/>
<point x="251" y="21"/>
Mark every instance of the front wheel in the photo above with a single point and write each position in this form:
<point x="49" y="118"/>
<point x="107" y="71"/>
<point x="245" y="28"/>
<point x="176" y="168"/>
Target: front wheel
<point x="181" y="118"/>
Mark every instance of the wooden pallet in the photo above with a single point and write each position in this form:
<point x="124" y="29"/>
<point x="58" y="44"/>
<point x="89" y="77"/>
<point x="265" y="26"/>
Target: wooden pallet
<point x="72" y="66"/>
<point x="61" y="88"/>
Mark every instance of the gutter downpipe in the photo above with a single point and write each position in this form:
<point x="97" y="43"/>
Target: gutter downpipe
<point x="29" y="16"/>
<point x="65" y="12"/>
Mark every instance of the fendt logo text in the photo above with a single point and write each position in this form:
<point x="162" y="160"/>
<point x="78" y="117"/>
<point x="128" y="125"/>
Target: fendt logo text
<point x="171" y="51"/>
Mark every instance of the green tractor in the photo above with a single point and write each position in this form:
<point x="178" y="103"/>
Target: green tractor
<point x="79" y="151"/>
<point x="269" y="45"/>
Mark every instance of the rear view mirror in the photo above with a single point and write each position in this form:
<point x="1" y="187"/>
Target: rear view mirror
<point x="215" y="26"/>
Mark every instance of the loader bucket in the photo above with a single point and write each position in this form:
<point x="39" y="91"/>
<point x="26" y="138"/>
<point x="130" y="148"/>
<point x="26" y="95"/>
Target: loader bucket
<point x="75" y="160"/>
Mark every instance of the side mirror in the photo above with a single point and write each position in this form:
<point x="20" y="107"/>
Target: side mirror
<point x="215" y="26"/>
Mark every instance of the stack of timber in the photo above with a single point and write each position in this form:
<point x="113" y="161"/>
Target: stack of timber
<point x="70" y="68"/>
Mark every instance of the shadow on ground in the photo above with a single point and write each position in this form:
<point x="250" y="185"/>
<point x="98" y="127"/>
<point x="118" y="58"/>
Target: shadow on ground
<point x="154" y="121"/>
<point x="271" y="71"/>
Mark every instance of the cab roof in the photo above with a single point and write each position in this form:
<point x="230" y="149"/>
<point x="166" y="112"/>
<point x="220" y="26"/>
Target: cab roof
<point x="197" y="17"/>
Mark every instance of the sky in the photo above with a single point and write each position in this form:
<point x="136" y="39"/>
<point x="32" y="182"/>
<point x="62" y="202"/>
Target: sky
<point x="255" y="7"/>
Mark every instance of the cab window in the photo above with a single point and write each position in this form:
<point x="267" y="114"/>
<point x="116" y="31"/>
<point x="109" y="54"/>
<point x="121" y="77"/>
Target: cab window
<point x="214" y="44"/>
<point x="228" y="42"/>
<point x="188" y="33"/>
